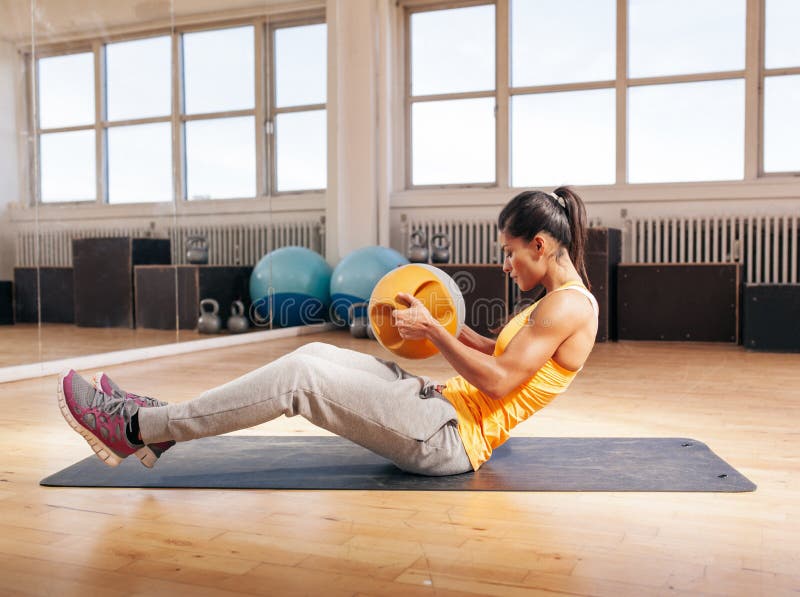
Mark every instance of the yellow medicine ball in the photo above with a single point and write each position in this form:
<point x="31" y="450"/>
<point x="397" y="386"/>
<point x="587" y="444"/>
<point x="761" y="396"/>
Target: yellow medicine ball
<point x="437" y="291"/>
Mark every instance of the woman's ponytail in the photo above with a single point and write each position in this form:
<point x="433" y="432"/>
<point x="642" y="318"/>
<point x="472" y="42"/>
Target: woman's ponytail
<point x="576" y="215"/>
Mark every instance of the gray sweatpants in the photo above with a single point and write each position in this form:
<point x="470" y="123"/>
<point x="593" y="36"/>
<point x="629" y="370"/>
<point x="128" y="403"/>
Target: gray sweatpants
<point x="371" y="402"/>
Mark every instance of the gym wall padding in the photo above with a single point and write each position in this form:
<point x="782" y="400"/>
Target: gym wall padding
<point x="104" y="277"/>
<point x="155" y="292"/>
<point x="485" y="295"/>
<point x="680" y="302"/>
<point x="6" y="302"/>
<point x="771" y="318"/>
<point x="56" y="296"/>
<point x="603" y="254"/>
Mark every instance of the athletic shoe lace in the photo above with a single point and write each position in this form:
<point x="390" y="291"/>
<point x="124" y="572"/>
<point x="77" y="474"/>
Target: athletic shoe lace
<point x="113" y="405"/>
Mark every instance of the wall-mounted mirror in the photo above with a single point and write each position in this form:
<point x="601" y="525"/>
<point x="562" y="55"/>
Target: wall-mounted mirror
<point x="156" y="152"/>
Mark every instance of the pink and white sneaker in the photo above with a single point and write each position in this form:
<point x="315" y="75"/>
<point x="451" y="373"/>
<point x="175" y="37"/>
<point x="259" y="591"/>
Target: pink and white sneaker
<point x="150" y="453"/>
<point x="100" y="418"/>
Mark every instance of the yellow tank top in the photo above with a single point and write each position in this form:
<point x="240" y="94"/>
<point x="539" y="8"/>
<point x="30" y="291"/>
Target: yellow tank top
<point x="485" y="423"/>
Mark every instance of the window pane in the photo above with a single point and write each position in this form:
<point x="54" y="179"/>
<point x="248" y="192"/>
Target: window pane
<point x="562" y="42"/>
<point x="138" y="78"/>
<point x="782" y="124"/>
<point x="301" y="149"/>
<point x="674" y="37"/>
<point x="140" y="163"/>
<point x="452" y="50"/>
<point x="218" y="70"/>
<point x="686" y="132"/>
<point x="68" y="166"/>
<point x="453" y="141"/>
<point x="66" y="90"/>
<point x="221" y="158"/>
<point x="301" y="65"/>
<point x="563" y="138"/>
<point x="782" y="38"/>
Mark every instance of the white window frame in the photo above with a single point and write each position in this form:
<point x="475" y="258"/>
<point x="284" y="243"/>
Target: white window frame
<point x="765" y="72"/>
<point x="752" y="74"/>
<point x="274" y="111"/>
<point x="263" y="110"/>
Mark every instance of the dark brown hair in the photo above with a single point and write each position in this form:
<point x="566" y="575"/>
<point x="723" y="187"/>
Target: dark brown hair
<point x="532" y="212"/>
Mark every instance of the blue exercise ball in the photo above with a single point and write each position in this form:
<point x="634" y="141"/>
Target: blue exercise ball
<point x="357" y="274"/>
<point x="291" y="286"/>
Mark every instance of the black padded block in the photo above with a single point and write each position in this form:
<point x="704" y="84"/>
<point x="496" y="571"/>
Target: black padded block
<point x="155" y="292"/>
<point x="603" y="254"/>
<point x="56" y="296"/>
<point x="6" y="302"/>
<point x="691" y="302"/>
<point x="771" y="317"/>
<point x="521" y="464"/>
<point x="485" y="295"/>
<point x="104" y="277"/>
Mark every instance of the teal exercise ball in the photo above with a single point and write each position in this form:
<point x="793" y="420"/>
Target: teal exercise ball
<point x="291" y="286"/>
<point x="356" y="275"/>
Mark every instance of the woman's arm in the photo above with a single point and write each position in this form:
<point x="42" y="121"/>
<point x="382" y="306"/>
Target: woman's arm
<point x="555" y="320"/>
<point x="473" y="339"/>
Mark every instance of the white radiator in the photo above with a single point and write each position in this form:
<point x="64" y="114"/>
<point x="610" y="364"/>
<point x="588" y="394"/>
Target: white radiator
<point x="245" y="245"/>
<point x="228" y="245"/>
<point x="766" y="246"/>
<point x="473" y="241"/>
<point x="53" y="248"/>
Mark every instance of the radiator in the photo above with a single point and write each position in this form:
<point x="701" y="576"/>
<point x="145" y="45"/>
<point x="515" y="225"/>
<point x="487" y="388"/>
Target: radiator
<point x="228" y="245"/>
<point x="245" y="245"/>
<point x="473" y="241"/>
<point x="766" y="246"/>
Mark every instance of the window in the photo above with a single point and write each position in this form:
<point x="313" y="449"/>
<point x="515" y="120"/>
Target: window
<point x="570" y="41"/>
<point x="686" y="131"/>
<point x="452" y="96"/>
<point x="219" y="93"/>
<point x="220" y="158"/>
<point x="568" y="109"/>
<point x="298" y="108"/>
<point x="212" y="132"/>
<point x="679" y="129"/>
<point x="681" y="37"/>
<point x="66" y="127"/>
<point x="563" y="137"/>
<point x="781" y="87"/>
<point x="67" y="162"/>
<point x="562" y="134"/>
<point x="139" y="110"/>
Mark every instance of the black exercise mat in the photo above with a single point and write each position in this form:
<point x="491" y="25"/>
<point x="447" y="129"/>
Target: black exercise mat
<point x="521" y="464"/>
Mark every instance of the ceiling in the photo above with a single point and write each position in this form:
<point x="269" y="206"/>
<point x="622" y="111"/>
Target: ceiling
<point x="65" y="16"/>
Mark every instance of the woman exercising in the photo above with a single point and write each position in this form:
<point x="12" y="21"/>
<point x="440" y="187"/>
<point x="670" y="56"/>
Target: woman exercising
<point x="423" y="428"/>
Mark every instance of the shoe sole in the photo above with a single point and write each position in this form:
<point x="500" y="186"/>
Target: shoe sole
<point x="145" y="455"/>
<point x="103" y="452"/>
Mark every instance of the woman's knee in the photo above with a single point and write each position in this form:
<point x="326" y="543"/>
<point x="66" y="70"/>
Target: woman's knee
<point x="314" y="348"/>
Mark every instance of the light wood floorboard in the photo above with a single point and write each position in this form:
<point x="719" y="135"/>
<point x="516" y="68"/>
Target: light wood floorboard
<point x="26" y="343"/>
<point x="744" y="405"/>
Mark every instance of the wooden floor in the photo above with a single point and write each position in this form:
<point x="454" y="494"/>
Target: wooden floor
<point x="745" y="405"/>
<point x="26" y="343"/>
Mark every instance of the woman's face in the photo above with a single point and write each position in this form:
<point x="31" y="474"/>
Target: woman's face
<point x="522" y="260"/>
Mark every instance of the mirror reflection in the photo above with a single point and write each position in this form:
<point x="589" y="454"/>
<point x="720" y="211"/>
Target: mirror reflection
<point x="150" y="144"/>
